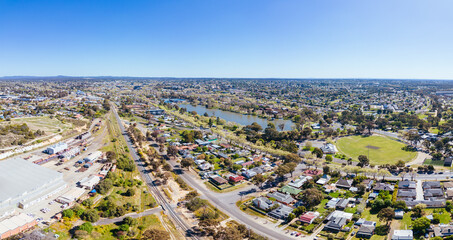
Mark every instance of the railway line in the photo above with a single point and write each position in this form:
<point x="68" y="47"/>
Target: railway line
<point x="166" y="206"/>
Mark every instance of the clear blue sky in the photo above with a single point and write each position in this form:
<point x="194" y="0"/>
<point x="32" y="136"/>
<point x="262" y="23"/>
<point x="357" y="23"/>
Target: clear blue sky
<point x="230" y="38"/>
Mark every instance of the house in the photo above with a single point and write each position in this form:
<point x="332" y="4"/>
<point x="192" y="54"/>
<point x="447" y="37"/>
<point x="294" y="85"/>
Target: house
<point x="309" y="217"/>
<point x="281" y="212"/>
<point x="205" y="166"/>
<point x="448" y="185"/>
<point x="380" y="186"/>
<point x="281" y="197"/>
<point x="407" y="194"/>
<point x="299" y="182"/>
<point x="336" y="220"/>
<point x="311" y="172"/>
<point x="431" y="185"/>
<point x="323" y="180"/>
<point x="289" y="190"/>
<point x="373" y="195"/>
<point x="368" y="183"/>
<point x="329" y="148"/>
<point x="343" y="183"/>
<point x="399" y="214"/>
<point x="249" y="174"/>
<point x="263" y="203"/>
<point x="365" y="231"/>
<point x="217" y="180"/>
<point x="332" y="203"/>
<point x="402" y="235"/>
<point x="449" y="194"/>
<point x="431" y="194"/>
<point x="407" y="184"/>
<point x="443" y="231"/>
<point x="330" y="188"/>
<point x="235" y="178"/>
<point x="448" y="161"/>
<point x="362" y="221"/>
<point x="342" y="204"/>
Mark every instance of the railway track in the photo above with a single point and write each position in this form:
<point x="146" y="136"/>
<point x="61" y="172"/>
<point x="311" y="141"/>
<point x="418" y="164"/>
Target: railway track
<point x="166" y="206"/>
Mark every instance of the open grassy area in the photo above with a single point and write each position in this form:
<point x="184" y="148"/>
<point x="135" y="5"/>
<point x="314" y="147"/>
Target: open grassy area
<point x="381" y="150"/>
<point x="229" y="189"/>
<point x="47" y="124"/>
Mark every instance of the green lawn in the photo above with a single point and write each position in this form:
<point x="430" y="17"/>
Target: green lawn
<point x="381" y="150"/>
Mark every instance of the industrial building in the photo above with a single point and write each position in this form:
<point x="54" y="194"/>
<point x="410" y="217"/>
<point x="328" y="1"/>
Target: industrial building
<point x="93" y="157"/>
<point x="57" y="148"/>
<point x="15" y="225"/>
<point x="23" y="184"/>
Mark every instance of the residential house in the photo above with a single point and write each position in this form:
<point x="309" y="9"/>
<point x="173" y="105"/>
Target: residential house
<point x="365" y="231"/>
<point x="449" y="194"/>
<point x="406" y="184"/>
<point x="443" y="231"/>
<point x="329" y="148"/>
<point x="368" y="183"/>
<point x="344" y="183"/>
<point x="263" y="203"/>
<point x="402" y="235"/>
<point x="249" y="174"/>
<point x="235" y="178"/>
<point x="323" y="180"/>
<point x="299" y="182"/>
<point x="448" y="185"/>
<point x="281" y="212"/>
<point x="289" y="190"/>
<point x="330" y="188"/>
<point x="381" y="186"/>
<point x="448" y="161"/>
<point x="217" y="180"/>
<point x="342" y="204"/>
<point x="281" y="197"/>
<point x="336" y="220"/>
<point x="332" y="203"/>
<point x="399" y="214"/>
<point x="431" y="185"/>
<point x="309" y="217"/>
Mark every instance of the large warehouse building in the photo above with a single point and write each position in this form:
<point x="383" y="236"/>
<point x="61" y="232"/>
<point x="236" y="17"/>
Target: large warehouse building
<point x="23" y="184"/>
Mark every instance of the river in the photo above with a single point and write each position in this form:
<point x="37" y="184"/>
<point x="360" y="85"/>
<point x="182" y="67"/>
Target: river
<point x="242" y="119"/>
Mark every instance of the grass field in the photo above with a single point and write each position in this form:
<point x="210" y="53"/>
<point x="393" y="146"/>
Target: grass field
<point x="381" y="150"/>
<point x="49" y="125"/>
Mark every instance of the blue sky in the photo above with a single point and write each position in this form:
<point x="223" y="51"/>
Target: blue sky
<point x="231" y="38"/>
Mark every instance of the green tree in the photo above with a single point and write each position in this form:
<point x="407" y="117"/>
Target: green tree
<point x="90" y="215"/>
<point x="363" y="160"/>
<point x="87" y="226"/>
<point x="421" y="224"/>
<point x="186" y="163"/>
<point x="69" y="213"/>
<point x="312" y="197"/>
<point x="318" y="152"/>
<point x="329" y="158"/>
<point x="299" y="211"/>
<point x="386" y="214"/>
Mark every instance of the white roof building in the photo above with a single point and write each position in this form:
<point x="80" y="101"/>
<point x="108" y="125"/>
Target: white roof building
<point x="23" y="184"/>
<point x="71" y="196"/>
<point x="89" y="182"/>
<point x="402" y="235"/>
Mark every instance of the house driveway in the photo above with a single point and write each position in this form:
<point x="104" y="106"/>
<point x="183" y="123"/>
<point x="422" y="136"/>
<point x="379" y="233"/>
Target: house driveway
<point x="419" y="190"/>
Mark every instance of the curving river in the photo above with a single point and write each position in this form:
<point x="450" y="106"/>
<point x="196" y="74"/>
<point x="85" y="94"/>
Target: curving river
<point x="242" y="119"/>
